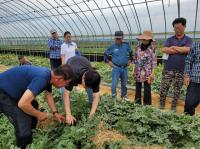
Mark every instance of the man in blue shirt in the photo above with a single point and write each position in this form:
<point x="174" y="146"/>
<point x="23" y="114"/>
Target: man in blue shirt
<point x="119" y="56"/>
<point x="54" y="44"/>
<point x="18" y="88"/>
<point x="175" y="51"/>
<point x="192" y="79"/>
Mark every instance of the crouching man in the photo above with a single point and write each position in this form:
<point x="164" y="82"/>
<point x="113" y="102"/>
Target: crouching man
<point x="90" y="79"/>
<point x="18" y="88"/>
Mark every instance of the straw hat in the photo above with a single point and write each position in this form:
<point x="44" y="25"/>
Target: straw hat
<point x="146" y="35"/>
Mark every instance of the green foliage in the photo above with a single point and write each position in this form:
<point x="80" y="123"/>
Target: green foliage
<point x="143" y="125"/>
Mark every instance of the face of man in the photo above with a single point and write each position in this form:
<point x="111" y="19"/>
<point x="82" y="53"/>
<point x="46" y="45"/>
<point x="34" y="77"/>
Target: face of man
<point x="118" y="41"/>
<point x="22" y="60"/>
<point x="68" y="38"/>
<point x="179" y="29"/>
<point x="59" y="81"/>
<point x="54" y="35"/>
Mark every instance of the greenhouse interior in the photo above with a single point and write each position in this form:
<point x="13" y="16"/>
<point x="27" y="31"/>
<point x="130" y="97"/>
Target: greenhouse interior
<point x="99" y="74"/>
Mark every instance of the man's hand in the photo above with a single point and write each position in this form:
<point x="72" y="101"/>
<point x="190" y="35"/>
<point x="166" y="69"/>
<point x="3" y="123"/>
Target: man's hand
<point x="170" y="50"/>
<point x="42" y="116"/>
<point x="59" y="117"/>
<point x="91" y="115"/>
<point x="186" y="80"/>
<point x="110" y="64"/>
<point x="70" y="119"/>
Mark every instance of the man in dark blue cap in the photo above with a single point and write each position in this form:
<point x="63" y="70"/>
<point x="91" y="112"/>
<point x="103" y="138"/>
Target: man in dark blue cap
<point x="119" y="56"/>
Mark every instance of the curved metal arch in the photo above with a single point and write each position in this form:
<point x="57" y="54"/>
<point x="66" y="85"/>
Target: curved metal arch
<point x="149" y="15"/>
<point x="140" y="30"/>
<point x="94" y="32"/>
<point x="59" y="15"/>
<point x="80" y="19"/>
<point x="10" y="32"/>
<point x="113" y="14"/>
<point x="22" y="22"/>
<point x="20" y="26"/>
<point x="163" y="7"/>
<point x="47" y="20"/>
<point x="133" y="16"/>
<point x="195" y="25"/>
<point x="24" y="27"/>
<point x="103" y="16"/>
<point x="122" y="16"/>
<point x="7" y="30"/>
<point x="33" y="13"/>
<point x="95" y="18"/>
<point x="40" y="28"/>
<point x="179" y="9"/>
<point x="74" y="33"/>
<point x="52" y="15"/>
<point x="130" y="30"/>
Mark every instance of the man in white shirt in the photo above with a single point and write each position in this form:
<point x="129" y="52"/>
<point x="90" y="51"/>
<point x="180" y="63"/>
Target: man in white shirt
<point x="68" y="48"/>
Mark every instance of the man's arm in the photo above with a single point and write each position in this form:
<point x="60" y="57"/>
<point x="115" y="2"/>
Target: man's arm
<point x="107" y="56"/>
<point x="181" y="50"/>
<point x="51" y="103"/>
<point x="168" y="50"/>
<point x="50" y="43"/>
<point x="96" y="98"/>
<point x="25" y="105"/>
<point x="69" y="118"/>
<point x="63" y="59"/>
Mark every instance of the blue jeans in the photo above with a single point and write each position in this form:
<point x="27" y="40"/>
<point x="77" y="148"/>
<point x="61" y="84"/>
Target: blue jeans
<point x="121" y="73"/>
<point x="89" y="94"/>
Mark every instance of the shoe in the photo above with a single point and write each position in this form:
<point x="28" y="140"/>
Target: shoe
<point x="125" y="98"/>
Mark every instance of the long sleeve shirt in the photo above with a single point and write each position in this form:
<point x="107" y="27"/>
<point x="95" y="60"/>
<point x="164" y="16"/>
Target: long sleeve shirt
<point x="192" y="63"/>
<point x="55" y="48"/>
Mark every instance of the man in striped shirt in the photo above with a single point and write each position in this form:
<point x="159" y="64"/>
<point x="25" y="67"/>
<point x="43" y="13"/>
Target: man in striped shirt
<point x="54" y="44"/>
<point x="192" y="79"/>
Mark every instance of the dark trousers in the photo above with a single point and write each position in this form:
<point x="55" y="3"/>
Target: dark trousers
<point x="192" y="98"/>
<point x="55" y="63"/>
<point x="22" y="122"/>
<point x="147" y="93"/>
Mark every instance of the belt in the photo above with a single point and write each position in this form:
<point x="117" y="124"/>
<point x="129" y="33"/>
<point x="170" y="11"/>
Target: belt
<point x="121" y="66"/>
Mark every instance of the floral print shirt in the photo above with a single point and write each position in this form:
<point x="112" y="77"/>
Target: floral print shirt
<point x="145" y="61"/>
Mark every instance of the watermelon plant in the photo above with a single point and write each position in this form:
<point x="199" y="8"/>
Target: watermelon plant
<point x="140" y="125"/>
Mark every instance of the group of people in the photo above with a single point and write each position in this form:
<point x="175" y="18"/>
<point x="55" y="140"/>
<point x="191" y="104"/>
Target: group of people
<point x="20" y="85"/>
<point x="181" y="60"/>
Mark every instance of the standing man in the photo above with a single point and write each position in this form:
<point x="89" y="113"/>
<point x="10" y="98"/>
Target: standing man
<point x="18" y="88"/>
<point x="54" y="44"/>
<point x="175" y="50"/>
<point x="23" y="60"/>
<point x="90" y="79"/>
<point x="119" y="56"/>
<point x="192" y="79"/>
